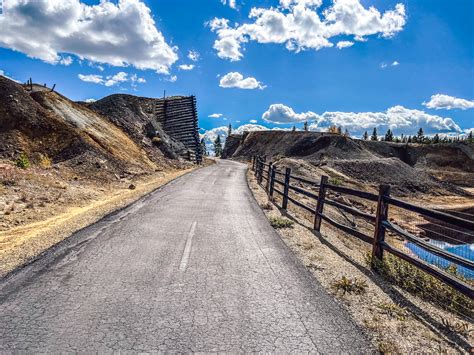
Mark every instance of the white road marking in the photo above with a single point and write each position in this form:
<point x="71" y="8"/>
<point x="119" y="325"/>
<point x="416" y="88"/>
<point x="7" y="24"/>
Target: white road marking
<point x="187" y="248"/>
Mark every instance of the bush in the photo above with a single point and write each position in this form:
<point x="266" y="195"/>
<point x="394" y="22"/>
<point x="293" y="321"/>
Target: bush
<point x="346" y="285"/>
<point x="335" y="181"/>
<point x="156" y="141"/>
<point x="423" y="285"/>
<point x="278" y="222"/>
<point x="23" y="162"/>
<point x="44" y="161"/>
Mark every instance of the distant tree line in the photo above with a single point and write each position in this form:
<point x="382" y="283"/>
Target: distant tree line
<point x="418" y="138"/>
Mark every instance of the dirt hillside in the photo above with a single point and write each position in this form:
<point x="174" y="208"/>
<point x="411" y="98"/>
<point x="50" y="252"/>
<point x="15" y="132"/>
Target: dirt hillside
<point x="440" y="169"/>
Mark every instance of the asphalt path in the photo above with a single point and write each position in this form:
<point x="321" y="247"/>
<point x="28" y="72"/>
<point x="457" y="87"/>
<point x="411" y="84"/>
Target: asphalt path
<point x="192" y="267"/>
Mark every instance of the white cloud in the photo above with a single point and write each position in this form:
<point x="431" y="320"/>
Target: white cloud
<point x="91" y="78"/>
<point x="90" y="100"/>
<point x="186" y="66"/>
<point x="194" y="56"/>
<point x="118" y="33"/>
<point x="253" y="121"/>
<point x="210" y="135"/>
<point x="215" y="115"/>
<point x="344" y="44"/>
<point x="236" y="80"/>
<point x="398" y="118"/>
<point x="301" y="25"/>
<point x="231" y="3"/>
<point x="446" y="102"/>
<point x="393" y="64"/>
<point x="2" y="73"/>
<point x="112" y="80"/>
<point x="172" y="78"/>
<point x="281" y="114"/>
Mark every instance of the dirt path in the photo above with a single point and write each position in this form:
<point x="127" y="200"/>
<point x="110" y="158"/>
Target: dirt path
<point x="23" y="243"/>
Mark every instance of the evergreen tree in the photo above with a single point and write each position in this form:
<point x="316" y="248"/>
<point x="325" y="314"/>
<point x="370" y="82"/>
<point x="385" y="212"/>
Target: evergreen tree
<point x="470" y="139"/>
<point x="420" y="136"/>
<point x="374" y="136"/>
<point x="218" y="146"/>
<point x="203" y="147"/>
<point x="346" y="133"/>
<point x="293" y="129"/>
<point x="305" y="126"/>
<point x="365" y="136"/>
<point x="389" y="135"/>
<point x="436" y="138"/>
<point x="229" y="130"/>
<point x="339" y="130"/>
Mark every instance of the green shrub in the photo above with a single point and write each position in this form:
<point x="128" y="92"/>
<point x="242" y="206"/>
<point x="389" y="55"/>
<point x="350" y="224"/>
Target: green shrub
<point x="423" y="285"/>
<point x="346" y="285"/>
<point x="23" y="162"/>
<point x="335" y="181"/>
<point x="278" y="222"/>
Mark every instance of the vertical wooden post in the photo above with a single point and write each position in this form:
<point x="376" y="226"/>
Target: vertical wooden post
<point x="379" y="234"/>
<point x="320" y="205"/>
<point x="253" y="162"/>
<point x="272" y="183"/>
<point x="286" y="188"/>
<point x="260" y="169"/>
<point x="269" y="172"/>
<point x="255" y="170"/>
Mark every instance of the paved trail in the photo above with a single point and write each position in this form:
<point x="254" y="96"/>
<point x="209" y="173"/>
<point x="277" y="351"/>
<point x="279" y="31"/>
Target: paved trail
<point x="194" y="266"/>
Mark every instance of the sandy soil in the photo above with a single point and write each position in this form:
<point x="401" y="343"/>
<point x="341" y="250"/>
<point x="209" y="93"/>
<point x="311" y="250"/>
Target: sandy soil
<point x="397" y="321"/>
<point x="41" y="207"/>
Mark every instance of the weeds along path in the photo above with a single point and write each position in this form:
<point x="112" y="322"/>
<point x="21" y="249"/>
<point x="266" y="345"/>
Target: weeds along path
<point x="193" y="266"/>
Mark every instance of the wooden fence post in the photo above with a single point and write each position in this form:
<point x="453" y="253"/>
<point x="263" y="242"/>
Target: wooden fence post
<point x="286" y="188"/>
<point x="260" y="170"/>
<point x="320" y="205"/>
<point x="269" y="172"/>
<point x="379" y="234"/>
<point x="272" y="183"/>
<point x="256" y="165"/>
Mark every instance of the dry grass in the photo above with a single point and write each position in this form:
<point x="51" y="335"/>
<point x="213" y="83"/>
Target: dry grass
<point x="349" y="285"/>
<point x="278" y="222"/>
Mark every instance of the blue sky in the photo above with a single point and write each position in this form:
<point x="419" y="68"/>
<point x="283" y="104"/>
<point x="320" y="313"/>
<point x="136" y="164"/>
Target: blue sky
<point x="357" y="87"/>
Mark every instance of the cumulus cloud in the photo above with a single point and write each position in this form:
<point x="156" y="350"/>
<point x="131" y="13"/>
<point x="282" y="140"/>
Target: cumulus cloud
<point x="112" y="80"/>
<point x="281" y="114"/>
<point x="193" y="55"/>
<point x="90" y="100"/>
<point x="210" y="135"/>
<point x="186" y="66"/>
<point x="237" y="80"/>
<point x="172" y="78"/>
<point x="119" y="33"/>
<point x="253" y="121"/>
<point x="344" y="44"/>
<point x="215" y="115"/>
<point x="398" y="118"/>
<point x="303" y="24"/>
<point x="446" y="102"/>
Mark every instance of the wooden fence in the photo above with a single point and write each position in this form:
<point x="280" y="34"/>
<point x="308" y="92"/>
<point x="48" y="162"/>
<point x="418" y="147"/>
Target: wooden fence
<point x="279" y="182"/>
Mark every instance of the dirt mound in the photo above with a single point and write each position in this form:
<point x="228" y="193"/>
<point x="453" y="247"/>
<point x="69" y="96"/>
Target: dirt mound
<point x="407" y="167"/>
<point x="48" y="124"/>
<point x="134" y="115"/>
<point x="232" y="142"/>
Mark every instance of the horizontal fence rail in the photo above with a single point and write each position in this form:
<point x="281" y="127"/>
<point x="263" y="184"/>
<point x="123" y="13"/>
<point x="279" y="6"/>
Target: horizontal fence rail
<point x="379" y="221"/>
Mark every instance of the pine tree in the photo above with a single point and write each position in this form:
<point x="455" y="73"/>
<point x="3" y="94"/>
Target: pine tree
<point x="203" y="147"/>
<point x="470" y="139"/>
<point x="293" y="129"/>
<point x="374" y="136"/>
<point x="218" y="146"/>
<point x="346" y="133"/>
<point x="436" y="138"/>
<point x="229" y="130"/>
<point x="365" y="136"/>
<point x="305" y="126"/>
<point x="339" y="130"/>
<point x="420" y="136"/>
<point x="389" y="135"/>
